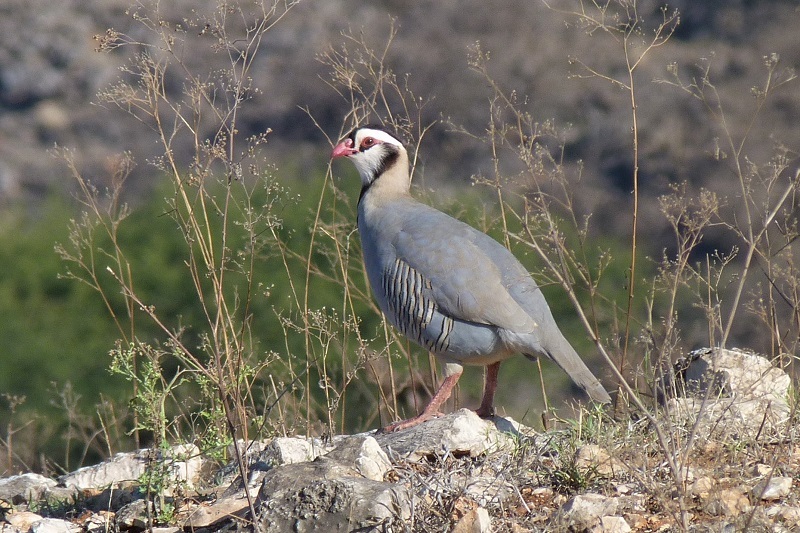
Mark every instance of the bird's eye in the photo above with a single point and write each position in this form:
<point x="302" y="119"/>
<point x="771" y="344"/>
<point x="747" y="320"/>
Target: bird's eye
<point x="369" y="142"/>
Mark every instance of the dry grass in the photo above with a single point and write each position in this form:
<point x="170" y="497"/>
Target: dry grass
<point x="224" y="204"/>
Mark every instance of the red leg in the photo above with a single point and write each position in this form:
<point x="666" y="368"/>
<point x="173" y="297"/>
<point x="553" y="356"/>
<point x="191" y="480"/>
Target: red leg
<point x="487" y="404"/>
<point x="432" y="410"/>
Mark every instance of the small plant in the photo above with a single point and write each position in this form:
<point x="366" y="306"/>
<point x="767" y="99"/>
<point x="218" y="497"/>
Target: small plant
<point x="153" y="390"/>
<point x="564" y="473"/>
<point x="568" y="478"/>
<point x="13" y="401"/>
<point x="158" y="481"/>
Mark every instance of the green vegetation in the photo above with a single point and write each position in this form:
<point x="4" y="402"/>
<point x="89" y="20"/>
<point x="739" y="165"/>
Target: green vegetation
<point x="56" y="336"/>
<point x="61" y="335"/>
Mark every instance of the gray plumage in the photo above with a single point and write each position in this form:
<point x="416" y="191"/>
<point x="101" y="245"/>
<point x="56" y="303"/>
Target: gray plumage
<point x="445" y="285"/>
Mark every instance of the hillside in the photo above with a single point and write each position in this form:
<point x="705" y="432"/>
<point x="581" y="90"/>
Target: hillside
<point x="52" y="74"/>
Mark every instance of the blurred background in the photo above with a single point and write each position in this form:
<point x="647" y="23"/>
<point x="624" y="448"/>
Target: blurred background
<point x="56" y="333"/>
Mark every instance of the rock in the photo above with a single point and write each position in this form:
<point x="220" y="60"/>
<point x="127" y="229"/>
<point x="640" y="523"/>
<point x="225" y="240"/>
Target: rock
<point x="113" y="499"/>
<point x="134" y="516"/>
<point x="100" y="522"/>
<point x="224" y="508"/>
<point x="54" y="525"/>
<point x="735" y="373"/>
<point x="262" y="456"/>
<point x="60" y="496"/>
<point x="22" y="520"/>
<point x="24" y="488"/>
<point x="789" y="515"/>
<point x="702" y="487"/>
<point x="286" y="451"/>
<point x="280" y="450"/>
<point x="612" y="524"/>
<point x="688" y="474"/>
<point x="624" y="488"/>
<point x="364" y="452"/>
<point x="324" y="495"/>
<point x="637" y="521"/>
<point x="460" y="433"/>
<point x="474" y="521"/>
<point x="251" y="449"/>
<point x="183" y="465"/>
<point x="121" y="467"/>
<point x="354" y="486"/>
<point x="732" y="391"/>
<point x="488" y="489"/>
<point x="592" y="457"/>
<point x="584" y="511"/>
<point x="483" y="486"/>
<point x="543" y="493"/>
<point x="773" y="489"/>
<point x="636" y="502"/>
<point x="728" y="502"/>
<point x="186" y="464"/>
<point x="762" y="470"/>
<point x="51" y="115"/>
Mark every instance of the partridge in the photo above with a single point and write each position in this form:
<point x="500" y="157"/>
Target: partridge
<point x="446" y="286"/>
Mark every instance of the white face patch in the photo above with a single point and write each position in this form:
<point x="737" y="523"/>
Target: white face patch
<point x="373" y="147"/>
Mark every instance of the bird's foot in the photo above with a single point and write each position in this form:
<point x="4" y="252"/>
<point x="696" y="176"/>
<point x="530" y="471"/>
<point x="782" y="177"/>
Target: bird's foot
<point x="485" y="412"/>
<point x="410" y="423"/>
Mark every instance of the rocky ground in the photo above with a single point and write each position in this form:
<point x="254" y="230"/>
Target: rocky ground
<point x="463" y="474"/>
<point x="54" y="89"/>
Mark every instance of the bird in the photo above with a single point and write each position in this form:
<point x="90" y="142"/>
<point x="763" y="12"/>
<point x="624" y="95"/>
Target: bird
<point x="445" y="285"/>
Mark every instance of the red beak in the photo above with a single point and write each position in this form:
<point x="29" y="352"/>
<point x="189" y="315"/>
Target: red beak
<point x="344" y="149"/>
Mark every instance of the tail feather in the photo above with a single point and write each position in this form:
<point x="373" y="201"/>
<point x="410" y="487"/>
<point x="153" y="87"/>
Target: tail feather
<point x="571" y="363"/>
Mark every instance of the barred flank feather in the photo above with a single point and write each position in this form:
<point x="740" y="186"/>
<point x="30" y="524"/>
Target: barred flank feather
<point x="412" y="308"/>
